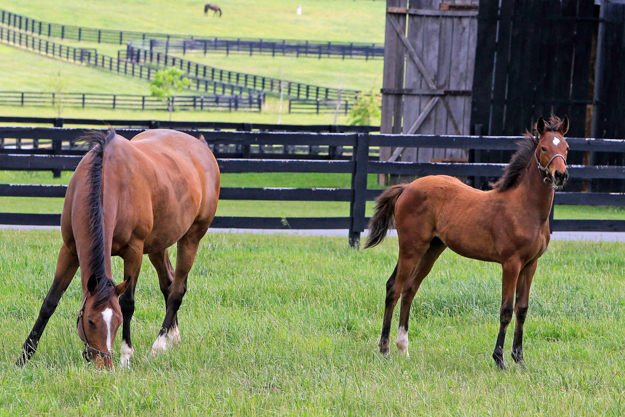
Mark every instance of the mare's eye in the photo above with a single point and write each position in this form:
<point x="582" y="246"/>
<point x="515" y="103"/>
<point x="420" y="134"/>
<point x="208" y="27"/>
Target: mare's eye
<point x="91" y="323"/>
<point x="542" y="148"/>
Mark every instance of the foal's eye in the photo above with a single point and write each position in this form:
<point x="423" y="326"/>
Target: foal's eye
<point x="567" y="148"/>
<point x="91" y="323"/>
<point x="542" y="148"/>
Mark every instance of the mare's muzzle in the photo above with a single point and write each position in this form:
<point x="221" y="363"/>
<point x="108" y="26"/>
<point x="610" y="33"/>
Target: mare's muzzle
<point x="81" y="333"/>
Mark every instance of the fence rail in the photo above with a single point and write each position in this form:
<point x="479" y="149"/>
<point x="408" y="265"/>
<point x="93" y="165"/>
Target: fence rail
<point x="130" y="102"/>
<point x="275" y="47"/>
<point x="318" y="106"/>
<point x="257" y="82"/>
<point x="358" y="167"/>
<point x="91" y="57"/>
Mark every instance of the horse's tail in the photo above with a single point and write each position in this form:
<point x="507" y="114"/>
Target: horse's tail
<point x="384" y="213"/>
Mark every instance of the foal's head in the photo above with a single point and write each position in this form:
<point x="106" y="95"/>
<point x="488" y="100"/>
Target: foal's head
<point x="552" y="150"/>
<point x="99" y="319"/>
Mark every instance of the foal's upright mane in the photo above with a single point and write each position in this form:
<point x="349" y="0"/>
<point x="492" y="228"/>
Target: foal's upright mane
<point x="522" y="157"/>
<point x="106" y="286"/>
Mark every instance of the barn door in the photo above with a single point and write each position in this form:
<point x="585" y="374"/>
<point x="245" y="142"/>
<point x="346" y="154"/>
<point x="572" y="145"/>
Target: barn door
<point x="428" y="74"/>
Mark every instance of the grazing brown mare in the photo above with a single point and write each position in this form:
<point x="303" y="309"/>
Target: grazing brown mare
<point x="129" y="198"/>
<point x="212" y="7"/>
<point x="508" y="225"/>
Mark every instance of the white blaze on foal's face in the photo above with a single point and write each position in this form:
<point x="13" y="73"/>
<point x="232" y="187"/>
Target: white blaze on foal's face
<point x="107" y="314"/>
<point x="556" y="141"/>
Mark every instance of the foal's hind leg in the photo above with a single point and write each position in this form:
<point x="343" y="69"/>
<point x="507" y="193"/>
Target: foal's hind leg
<point x="187" y="249"/>
<point x="410" y="290"/>
<point x="520" y="309"/>
<point x="165" y="273"/>
<point x="511" y="269"/>
<point x="394" y="287"/>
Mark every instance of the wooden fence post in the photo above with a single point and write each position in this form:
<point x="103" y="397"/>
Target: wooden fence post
<point x="359" y="186"/>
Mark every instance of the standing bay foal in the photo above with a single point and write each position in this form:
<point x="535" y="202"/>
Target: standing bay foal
<point x="129" y="198"/>
<point x="508" y="225"/>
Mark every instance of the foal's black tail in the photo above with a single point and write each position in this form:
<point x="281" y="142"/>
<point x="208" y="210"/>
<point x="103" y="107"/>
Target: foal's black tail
<point x="384" y="213"/>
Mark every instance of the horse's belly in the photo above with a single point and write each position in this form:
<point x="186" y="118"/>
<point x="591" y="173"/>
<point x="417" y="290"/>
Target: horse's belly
<point x="470" y="242"/>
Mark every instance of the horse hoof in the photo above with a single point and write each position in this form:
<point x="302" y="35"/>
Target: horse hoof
<point x="498" y="357"/>
<point x="174" y="336"/>
<point x="126" y="354"/>
<point x="160" y="345"/>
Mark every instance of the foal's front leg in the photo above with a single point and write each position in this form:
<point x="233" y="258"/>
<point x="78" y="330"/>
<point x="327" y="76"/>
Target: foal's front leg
<point x="511" y="269"/>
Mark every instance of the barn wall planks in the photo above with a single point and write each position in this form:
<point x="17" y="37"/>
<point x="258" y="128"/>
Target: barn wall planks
<point x="432" y="96"/>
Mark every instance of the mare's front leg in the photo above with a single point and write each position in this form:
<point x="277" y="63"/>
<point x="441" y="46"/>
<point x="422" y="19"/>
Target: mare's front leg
<point x="520" y="310"/>
<point x="132" y="256"/>
<point x="511" y="269"/>
<point x="66" y="267"/>
<point x="187" y="249"/>
<point x="165" y="273"/>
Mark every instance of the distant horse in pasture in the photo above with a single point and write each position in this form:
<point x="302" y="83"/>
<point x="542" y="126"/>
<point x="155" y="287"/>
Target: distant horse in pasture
<point x="129" y="198"/>
<point x="216" y="9"/>
<point x="508" y="225"/>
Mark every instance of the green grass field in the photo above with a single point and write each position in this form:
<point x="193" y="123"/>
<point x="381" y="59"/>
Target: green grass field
<point x="288" y="325"/>
<point x="341" y="21"/>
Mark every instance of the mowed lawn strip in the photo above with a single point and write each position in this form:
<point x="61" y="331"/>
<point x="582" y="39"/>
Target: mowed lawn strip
<point x="289" y="325"/>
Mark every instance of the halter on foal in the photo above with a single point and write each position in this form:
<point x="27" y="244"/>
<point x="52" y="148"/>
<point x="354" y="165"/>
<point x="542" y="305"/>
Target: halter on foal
<point x="508" y="225"/>
<point x="127" y="199"/>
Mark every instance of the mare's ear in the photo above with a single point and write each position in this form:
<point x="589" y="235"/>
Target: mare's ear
<point x="564" y="127"/>
<point x="540" y="126"/>
<point x="121" y="288"/>
<point x="92" y="284"/>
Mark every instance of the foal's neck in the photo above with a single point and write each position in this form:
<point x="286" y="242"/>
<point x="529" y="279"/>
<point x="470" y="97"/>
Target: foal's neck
<point x="537" y="195"/>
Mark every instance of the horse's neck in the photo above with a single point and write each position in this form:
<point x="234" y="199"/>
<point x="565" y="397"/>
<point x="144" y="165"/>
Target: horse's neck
<point x="535" y="194"/>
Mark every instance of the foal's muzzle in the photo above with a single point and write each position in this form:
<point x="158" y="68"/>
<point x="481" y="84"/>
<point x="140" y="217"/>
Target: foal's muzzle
<point x="559" y="177"/>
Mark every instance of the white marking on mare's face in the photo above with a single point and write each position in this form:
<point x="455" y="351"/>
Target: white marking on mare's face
<point x="107" y="314"/>
<point x="556" y="141"/>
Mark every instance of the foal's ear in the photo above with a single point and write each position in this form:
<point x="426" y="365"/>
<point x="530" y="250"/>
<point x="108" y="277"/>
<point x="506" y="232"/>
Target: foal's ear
<point x="540" y="126"/>
<point x="121" y="288"/>
<point x="92" y="284"/>
<point x="564" y="126"/>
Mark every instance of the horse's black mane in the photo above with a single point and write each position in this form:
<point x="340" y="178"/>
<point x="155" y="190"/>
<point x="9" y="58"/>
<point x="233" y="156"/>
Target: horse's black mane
<point x="522" y="157"/>
<point x="106" y="286"/>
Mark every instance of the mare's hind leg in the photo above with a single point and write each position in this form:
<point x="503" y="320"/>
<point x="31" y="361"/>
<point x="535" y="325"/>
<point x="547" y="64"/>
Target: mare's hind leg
<point x="408" y="259"/>
<point x="511" y="270"/>
<point x="165" y="273"/>
<point x="66" y="267"/>
<point x="132" y="256"/>
<point x="187" y="249"/>
<point x="520" y="309"/>
<point x="410" y="290"/>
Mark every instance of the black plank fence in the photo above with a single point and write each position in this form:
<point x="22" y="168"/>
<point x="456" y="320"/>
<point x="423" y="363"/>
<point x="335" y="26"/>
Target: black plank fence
<point x="358" y="167"/>
<point x="186" y="43"/>
<point x="257" y="82"/>
<point x="91" y="57"/>
<point x="131" y="101"/>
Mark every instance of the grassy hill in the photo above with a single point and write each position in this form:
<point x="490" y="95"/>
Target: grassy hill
<point x="337" y="21"/>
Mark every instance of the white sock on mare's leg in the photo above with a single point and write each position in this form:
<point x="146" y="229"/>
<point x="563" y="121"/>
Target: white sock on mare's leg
<point x="174" y="335"/>
<point x="126" y="354"/>
<point x="402" y="340"/>
<point x="159" y="345"/>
